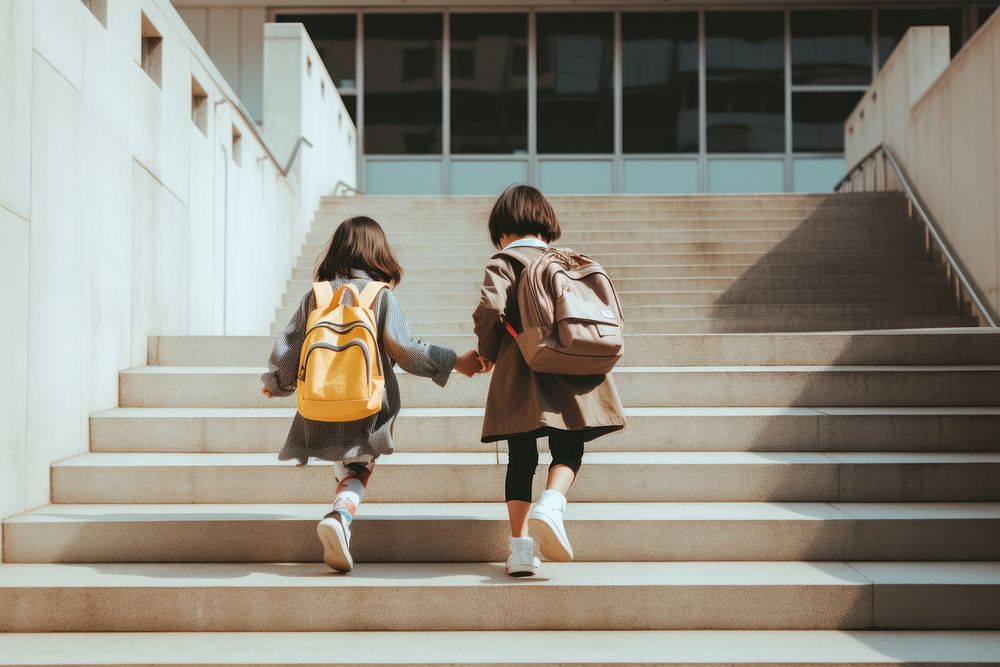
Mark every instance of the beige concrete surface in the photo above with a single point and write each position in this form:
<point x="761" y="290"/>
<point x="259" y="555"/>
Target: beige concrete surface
<point x="471" y="532"/>
<point x="719" y="648"/>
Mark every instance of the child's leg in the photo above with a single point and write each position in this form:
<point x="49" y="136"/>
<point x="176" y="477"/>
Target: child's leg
<point x="521" y="465"/>
<point x="567" y="457"/>
<point x="352" y="479"/>
<point x="546" y="518"/>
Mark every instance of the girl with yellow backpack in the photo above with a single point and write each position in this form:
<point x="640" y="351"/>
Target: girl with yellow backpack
<point x="337" y="354"/>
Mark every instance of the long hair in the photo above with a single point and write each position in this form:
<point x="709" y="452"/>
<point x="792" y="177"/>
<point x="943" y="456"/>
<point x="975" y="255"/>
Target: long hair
<point x="359" y="243"/>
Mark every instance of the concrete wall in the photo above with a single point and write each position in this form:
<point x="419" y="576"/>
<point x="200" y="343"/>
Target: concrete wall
<point x="120" y="218"/>
<point x="942" y="120"/>
<point x="233" y="38"/>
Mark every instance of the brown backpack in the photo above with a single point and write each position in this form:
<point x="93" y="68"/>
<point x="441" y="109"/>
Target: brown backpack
<point x="571" y="318"/>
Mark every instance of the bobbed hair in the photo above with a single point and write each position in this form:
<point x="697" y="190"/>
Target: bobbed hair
<point x="521" y="210"/>
<point x="359" y="243"/>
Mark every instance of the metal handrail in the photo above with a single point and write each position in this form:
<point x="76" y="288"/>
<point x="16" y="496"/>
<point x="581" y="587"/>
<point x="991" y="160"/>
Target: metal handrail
<point x="346" y="187"/>
<point x="933" y="229"/>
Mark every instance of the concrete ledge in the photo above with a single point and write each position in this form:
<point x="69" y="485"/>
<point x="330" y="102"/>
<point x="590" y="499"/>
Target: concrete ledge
<point x="445" y="596"/>
<point x="234" y="430"/>
<point x="477" y="477"/>
<point x="470" y="532"/>
<point x="677" y="386"/>
<point x="711" y="648"/>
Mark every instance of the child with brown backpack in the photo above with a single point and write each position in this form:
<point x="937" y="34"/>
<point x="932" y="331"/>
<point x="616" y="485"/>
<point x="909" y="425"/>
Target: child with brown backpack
<point x="550" y="324"/>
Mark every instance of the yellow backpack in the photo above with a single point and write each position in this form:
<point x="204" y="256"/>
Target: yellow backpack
<point x="340" y="370"/>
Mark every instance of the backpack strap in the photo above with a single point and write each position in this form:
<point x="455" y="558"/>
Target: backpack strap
<point x="324" y="295"/>
<point x="370" y="292"/>
<point x="338" y="297"/>
<point x="515" y="253"/>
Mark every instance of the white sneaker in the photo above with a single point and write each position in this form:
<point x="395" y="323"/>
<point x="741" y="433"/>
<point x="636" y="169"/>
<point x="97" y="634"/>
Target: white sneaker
<point x="545" y="521"/>
<point x="335" y="538"/>
<point x="522" y="561"/>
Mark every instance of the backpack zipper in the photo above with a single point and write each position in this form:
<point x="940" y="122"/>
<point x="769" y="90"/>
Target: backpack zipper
<point x="344" y="328"/>
<point x="337" y="348"/>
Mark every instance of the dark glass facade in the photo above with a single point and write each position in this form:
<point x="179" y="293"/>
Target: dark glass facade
<point x="489" y="83"/>
<point x="660" y="82"/>
<point x="575" y="77"/>
<point x="402" y="84"/>
<point x="831" y="47"/>
<point x="818" y="120"/>
<point x="745" y="82"/>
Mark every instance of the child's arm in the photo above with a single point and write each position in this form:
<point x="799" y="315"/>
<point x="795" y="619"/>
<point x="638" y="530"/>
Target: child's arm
<point x="283" y="366"/>
<point x="487" y="318"/>
<point x="412" y="355"/>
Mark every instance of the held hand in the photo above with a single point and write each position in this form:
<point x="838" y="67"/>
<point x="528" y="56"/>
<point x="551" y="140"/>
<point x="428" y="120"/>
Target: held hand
<point x="266" y="392"/>
<point x="485" y="365"/>
<point x="469" y="364"/>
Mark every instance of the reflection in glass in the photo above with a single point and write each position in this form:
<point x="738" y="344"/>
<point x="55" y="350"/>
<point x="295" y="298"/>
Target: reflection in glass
<point x="575" y="97"/>
<point x="660" y="82"/>
<point x="893" y="24"/>
<point x="403" y="83"/>
<point x="818" y="120"/>
<point x="334" y="37"/>
<point x="489" y="83"/>
<point x="351" y="102"/>
<point x="745" y="82"/>
<point x="983" y="14"/>
<point x="832" y="48"/>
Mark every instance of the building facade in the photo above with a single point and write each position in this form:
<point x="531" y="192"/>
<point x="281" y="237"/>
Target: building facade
<point x="594" y="99"/>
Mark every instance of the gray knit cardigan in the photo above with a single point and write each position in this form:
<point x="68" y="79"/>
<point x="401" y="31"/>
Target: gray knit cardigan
<point x="337" y="441"/>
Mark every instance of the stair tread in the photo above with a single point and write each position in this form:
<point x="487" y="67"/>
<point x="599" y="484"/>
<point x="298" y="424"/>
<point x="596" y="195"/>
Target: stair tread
<point x="708" y="647"/>
<point x="145" y="412"/>
<point x="158" y="459"/>
<point x="449" y="575"/>
<point x="576" y="512"/>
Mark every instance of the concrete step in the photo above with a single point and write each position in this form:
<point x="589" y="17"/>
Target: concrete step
<point x="613" y="261"/>
<point x="411" y="253"/>
<point x="423" y="319"/>
<point x="304" y="270"/>
<point x="725" y="386"/>
<point x="470" y="532"/>
<point x="414" y="286"/>
<point x="730" y="326"/>
<point x="915" y="347"/>
<point x="638" y="477"/>
<point x="671" y="648"/>
<point x="421" y="430"/>
<point x="654" y="231"/>
<point x="280" y="597"/>
<point x="940" y="295"/>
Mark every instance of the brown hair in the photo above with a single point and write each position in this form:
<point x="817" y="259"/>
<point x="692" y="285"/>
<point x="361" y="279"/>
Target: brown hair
<point x="521" y="210"/>
<point x="359" y="243"/>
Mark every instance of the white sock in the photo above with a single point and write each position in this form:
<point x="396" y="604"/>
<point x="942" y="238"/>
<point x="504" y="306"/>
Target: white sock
<point x="349" y="494"/>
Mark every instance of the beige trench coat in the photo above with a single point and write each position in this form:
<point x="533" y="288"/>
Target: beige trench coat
<point x="521" y="401"/>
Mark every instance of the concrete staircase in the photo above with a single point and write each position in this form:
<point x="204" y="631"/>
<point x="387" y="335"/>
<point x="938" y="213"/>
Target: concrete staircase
<point x="700" y="264"/>
<point x="778" y="499"/>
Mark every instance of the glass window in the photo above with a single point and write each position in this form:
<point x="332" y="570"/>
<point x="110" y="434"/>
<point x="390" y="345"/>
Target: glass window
<point x="575" y="96"/>
<point x="334" y="36"/>
<point x="351" y="102"/>
<point x="745" y="82"/>
<point x="489" y="83"/>
<point x="983" y="13"/>
<point x="660" y="82"/>
<point x="403" y="83"/>
<point x="893" y="24"/>
<point x="818" y="120"/>
<point x="832" y="48"/>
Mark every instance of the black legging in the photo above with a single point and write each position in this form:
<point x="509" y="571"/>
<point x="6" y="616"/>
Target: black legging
<point x="566" y="448"/>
